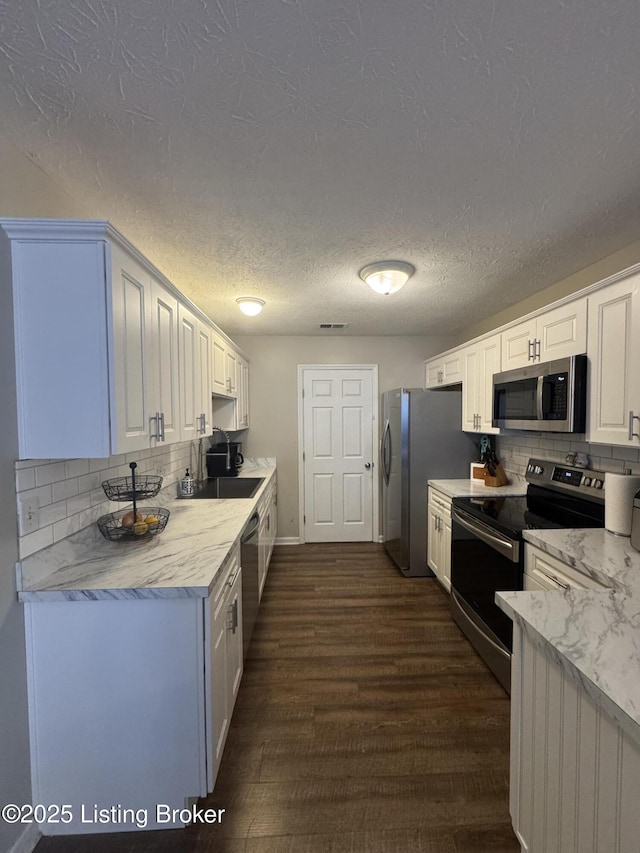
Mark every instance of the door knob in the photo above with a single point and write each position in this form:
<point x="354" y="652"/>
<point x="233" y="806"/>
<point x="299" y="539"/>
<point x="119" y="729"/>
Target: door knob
<point x="367" y="465"/>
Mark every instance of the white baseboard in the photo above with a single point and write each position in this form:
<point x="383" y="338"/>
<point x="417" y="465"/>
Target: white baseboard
<point x="27" y="841"/>
<point x="287" y="540"/>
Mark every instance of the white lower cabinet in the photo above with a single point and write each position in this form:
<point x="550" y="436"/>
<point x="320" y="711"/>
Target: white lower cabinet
<point x="542" y="571"/>
<point x="267" y="531"/>
<point x="439" y="536"/>
<point x="223" y="661"/>
<point x="130" y="701"/>
<point x="574" y="771"/>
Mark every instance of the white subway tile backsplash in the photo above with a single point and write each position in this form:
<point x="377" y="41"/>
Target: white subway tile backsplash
<point x="515" y="449"/>
<point x="25" y="479"/>
<point x="78" y="503"/>
<point x="65" y="489"/>
<point x="76" y="467"/>
<point x="89" y="482"/>
<point x="43" y="494"/>
<point x="70" y="492"/>
<point x="52" y="513"/>
<point x="52" y="472"/>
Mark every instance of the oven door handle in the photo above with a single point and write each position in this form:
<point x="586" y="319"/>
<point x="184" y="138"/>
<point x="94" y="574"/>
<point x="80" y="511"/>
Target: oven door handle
<point x="506" y="547"/>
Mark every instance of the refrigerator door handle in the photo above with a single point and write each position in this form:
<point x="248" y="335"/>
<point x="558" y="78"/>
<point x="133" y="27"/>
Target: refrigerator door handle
<point x="385" y="452"/>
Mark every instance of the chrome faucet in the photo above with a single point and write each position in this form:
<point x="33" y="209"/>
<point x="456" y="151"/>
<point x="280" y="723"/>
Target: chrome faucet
<point x="226" y="435"/>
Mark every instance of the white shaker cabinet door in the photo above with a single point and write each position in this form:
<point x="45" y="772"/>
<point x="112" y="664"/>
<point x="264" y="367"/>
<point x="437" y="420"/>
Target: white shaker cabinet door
<point x="190" y="408"/>
<point x="613" y="349"/>
<point x="488" y="364"/>
<point x="132" y="424"/>
<point x="517" y="344"/>
<point x="205" y="377"/>
<point x="164" y="403"/>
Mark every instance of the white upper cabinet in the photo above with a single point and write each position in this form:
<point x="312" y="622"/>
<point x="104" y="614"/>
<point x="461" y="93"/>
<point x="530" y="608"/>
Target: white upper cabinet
<point x="133" y="421"/>
<point x="480" y="361"/>
<point x="242" y="372"/>
<point x="108" y="358"/>
<point x="232" y="372"/>
<point x="164" y="358"/>
<point x="225" y="368"/>
<point x="614" y="353"/>
<point x="205" y="370"/>
<point x="219" y="365"/>
<point x="190" y="410"/>
<point x="553" y="334"/>
<point x="444" y="370"/>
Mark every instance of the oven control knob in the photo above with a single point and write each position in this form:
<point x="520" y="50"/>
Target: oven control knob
<point x="586" y="481"/>
<point x="538" y="469"/>
<point x="597" y="484"/>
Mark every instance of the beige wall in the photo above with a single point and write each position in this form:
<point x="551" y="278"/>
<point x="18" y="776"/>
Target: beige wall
<point x="274" y="393"/>
<point x="24" y="191"/>
<point x="592" y="274"/>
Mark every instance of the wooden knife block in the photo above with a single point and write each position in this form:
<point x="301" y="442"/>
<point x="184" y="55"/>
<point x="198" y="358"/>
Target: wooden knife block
<point x="500" y="478"/>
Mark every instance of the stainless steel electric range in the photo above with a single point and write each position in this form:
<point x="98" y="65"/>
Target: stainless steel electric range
<point x="487" y="548"/>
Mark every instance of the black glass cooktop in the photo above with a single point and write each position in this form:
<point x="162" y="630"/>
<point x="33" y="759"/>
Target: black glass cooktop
<point x="540" y="509"/>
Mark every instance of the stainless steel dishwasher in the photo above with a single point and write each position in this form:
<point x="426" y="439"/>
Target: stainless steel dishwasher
<point x="249" y="563"/>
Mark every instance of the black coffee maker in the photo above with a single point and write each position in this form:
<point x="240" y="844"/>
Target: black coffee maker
<point x="224" y="460"/>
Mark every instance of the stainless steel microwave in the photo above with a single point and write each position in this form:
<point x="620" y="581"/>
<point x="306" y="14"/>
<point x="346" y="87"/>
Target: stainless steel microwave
<point x="549" y="397"/>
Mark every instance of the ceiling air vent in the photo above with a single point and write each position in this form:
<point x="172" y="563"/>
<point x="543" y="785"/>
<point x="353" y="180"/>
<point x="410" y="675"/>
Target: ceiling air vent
<point x="333" y="325"/>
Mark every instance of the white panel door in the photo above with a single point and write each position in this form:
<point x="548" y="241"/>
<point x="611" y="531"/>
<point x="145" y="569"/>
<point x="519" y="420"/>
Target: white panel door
<point x="338" y="454"/>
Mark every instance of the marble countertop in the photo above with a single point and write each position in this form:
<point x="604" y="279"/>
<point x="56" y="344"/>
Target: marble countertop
<point x="182" y="561"/>
<point x="594" y="635"/>
<point x="477" y="488"/>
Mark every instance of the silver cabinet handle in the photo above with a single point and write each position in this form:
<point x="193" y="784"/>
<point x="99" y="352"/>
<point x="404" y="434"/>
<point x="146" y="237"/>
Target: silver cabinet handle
<point x="162" y="433"/>
<point x="633" y="418"/>
<point x="537" y="348"/>
<point x="156" y="418"/>
<point x="530" y="346"/>
<point x="440" y="377"/>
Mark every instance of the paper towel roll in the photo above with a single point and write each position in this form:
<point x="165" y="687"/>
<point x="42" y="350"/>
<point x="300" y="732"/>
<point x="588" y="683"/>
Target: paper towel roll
<point x="619" y="491"/>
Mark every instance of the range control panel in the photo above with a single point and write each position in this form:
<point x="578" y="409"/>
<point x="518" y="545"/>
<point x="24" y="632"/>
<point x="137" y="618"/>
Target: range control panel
<point x="556" y="475"/>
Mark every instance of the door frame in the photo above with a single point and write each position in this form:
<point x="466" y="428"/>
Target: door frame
<point x="375" y="406"/>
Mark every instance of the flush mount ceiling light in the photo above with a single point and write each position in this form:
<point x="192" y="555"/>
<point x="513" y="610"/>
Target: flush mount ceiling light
<point x="250" y="305"/>
<point x="387" y="276"/>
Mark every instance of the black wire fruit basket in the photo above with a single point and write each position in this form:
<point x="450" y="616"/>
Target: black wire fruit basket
<point x="125" y="525"/>
<point x="138" y="523"/>
<point x="128" y="488"/>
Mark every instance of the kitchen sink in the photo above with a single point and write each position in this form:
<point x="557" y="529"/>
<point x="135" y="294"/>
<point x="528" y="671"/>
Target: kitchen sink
<point x="229" y="487"/>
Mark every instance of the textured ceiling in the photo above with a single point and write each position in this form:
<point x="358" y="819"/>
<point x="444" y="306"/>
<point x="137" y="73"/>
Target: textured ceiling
<point x="274" y="147"/>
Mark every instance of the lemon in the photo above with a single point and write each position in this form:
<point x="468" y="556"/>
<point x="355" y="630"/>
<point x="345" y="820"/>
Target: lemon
<point x="140" y="528"/>
<point x="152" y="520"/>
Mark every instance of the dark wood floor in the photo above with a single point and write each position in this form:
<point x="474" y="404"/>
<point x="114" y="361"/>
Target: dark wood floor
<point x="365" y="723"/>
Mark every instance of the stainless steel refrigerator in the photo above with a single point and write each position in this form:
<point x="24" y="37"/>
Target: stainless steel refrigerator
<point x="422" y="439"/>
